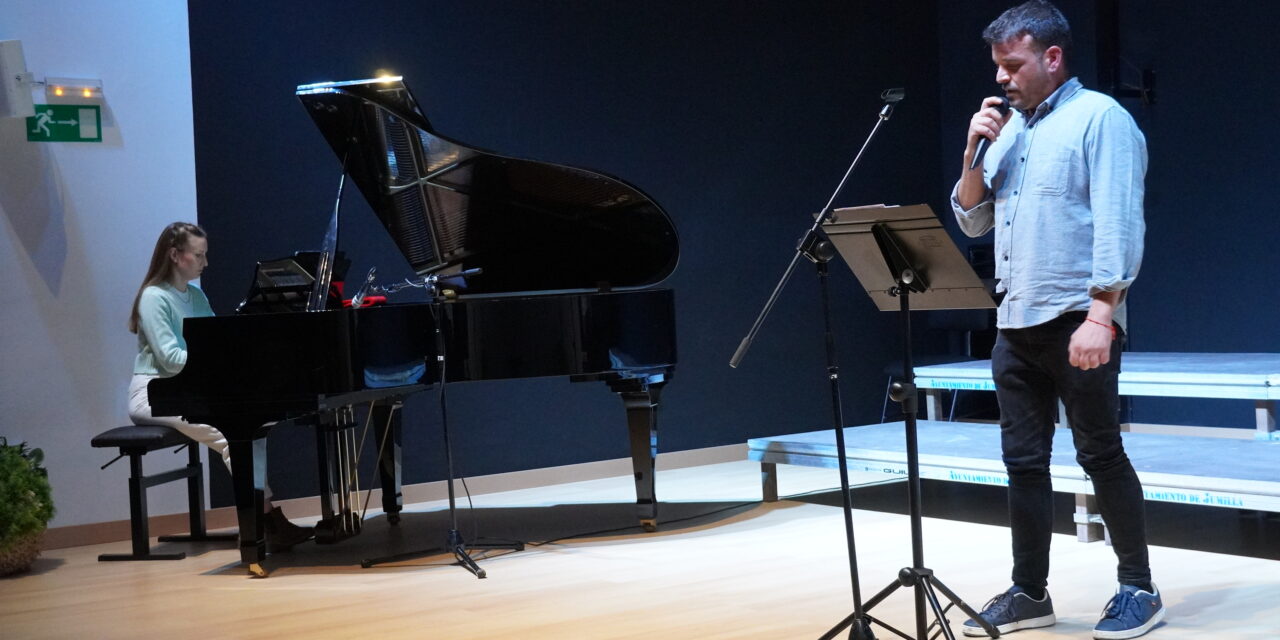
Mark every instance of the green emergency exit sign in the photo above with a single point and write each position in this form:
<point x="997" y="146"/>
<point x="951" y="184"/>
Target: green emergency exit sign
<point x="65" y="123"/>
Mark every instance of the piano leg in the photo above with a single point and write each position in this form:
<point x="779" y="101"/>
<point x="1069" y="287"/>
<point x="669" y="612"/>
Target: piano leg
<point x="640" y="397"/>
<point x="248" y="479"/>
<point x="386" y="419"/>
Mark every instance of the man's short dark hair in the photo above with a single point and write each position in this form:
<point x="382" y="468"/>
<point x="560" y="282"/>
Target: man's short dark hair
<point x="1038" y="19"/>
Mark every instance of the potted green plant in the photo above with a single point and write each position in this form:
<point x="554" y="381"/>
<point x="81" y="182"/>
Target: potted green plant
<point x="26" y="505"/>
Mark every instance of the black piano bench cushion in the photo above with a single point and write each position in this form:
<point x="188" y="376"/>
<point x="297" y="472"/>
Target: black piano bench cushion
<point x="141" y="437"/>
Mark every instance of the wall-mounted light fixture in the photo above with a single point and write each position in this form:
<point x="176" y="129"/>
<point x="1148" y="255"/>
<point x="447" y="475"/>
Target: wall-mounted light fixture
<point x="57" y="89"/>
<point x="16" y="84"/>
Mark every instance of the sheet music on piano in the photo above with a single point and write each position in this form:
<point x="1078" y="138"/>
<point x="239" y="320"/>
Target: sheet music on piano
<point x="286" y="284"/>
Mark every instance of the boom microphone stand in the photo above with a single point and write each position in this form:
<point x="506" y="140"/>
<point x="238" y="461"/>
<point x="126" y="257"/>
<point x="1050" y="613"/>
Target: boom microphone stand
<point x="818" y="250"/>
<point x="454" y="541"/>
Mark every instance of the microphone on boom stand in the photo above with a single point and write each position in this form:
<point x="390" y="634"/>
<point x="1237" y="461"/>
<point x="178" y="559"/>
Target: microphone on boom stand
<point x="819" y="250"/>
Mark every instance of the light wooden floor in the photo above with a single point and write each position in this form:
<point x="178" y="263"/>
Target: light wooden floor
<point x="759" y="571"/>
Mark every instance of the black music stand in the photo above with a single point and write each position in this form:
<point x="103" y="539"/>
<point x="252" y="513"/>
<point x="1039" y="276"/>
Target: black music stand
<point x="901" y="256"/>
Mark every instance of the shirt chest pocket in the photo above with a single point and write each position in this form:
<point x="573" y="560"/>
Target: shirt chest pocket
<point x="1050" y="174"/>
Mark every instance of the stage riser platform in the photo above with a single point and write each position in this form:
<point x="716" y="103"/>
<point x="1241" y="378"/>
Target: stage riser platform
<point x="1229" y="376"/>
<point x="1219" y="472"/>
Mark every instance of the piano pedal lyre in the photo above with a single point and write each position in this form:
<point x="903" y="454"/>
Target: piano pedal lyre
<point x="338" y="467"/>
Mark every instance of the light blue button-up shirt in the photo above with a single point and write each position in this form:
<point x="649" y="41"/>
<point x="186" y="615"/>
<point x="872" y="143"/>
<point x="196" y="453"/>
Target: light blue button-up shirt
<point x="1064" y="195"/>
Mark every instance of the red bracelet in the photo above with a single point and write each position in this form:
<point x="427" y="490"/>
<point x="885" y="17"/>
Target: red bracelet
<point x="1112" y="327"/>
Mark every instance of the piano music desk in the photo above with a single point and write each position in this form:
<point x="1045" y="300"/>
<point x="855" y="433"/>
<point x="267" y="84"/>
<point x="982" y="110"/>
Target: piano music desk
<point x="1228" y="468"/>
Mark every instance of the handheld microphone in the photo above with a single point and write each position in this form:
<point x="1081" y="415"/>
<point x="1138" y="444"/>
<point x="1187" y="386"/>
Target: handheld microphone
<point x="984" y="142"/>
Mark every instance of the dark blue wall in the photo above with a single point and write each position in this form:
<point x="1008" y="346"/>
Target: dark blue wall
<point x="739" y="118"/>
<point x="1214" y="142"/>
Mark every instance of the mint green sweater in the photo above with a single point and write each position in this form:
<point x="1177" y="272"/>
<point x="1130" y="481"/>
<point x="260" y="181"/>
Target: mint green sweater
<point x="162" y="351"/>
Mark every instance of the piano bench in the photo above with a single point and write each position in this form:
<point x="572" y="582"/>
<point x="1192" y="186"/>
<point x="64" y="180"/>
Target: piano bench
<point x="136" y="441"/>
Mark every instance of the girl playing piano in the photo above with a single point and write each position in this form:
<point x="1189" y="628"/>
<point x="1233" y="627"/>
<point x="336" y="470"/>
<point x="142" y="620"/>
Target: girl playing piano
<point x="164" y="299"/>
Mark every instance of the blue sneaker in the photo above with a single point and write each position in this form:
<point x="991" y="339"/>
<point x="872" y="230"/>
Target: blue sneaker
<point x="1011" y="611"/>
<point x="1130" y="613"/>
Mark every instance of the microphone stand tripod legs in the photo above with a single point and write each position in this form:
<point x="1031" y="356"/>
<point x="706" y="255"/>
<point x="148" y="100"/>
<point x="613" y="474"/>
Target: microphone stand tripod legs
<point x="820" y="252"/>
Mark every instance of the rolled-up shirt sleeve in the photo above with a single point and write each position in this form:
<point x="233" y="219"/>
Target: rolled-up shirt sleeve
<point x="977" y="220"/>
<point x="1117" y="159"/>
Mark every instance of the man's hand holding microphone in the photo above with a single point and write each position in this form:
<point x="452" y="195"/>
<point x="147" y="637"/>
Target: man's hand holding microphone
<point x="984" y="128"/>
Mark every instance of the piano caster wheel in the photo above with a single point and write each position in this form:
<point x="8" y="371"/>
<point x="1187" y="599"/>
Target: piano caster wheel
<point x="649" y="525"/>
<point x="393" y="519"/>
<point x="256" y="570"/>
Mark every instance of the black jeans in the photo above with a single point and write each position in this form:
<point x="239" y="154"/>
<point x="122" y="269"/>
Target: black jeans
<point x="1031" y="368"/>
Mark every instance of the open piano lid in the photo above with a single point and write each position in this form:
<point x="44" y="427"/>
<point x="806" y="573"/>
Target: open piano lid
<point x="530" y="226"/>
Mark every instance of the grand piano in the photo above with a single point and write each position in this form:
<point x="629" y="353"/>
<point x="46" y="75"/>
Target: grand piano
<point x="539" y="270"/>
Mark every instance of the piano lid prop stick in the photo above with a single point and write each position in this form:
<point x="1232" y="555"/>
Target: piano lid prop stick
<point x="324" y="265"/>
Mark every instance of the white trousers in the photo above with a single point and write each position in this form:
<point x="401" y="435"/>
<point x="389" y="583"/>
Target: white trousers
<point x="140" y="413"/>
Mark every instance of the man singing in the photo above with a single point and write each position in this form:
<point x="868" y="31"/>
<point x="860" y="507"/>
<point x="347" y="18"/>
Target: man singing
<point x="1062" y="185"/>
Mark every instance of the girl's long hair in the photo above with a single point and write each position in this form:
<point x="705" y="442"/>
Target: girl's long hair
<point x="174" y="236"/>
